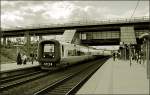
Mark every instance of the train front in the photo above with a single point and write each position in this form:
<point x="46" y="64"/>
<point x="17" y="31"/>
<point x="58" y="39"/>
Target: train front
<point x="49" y="53"/>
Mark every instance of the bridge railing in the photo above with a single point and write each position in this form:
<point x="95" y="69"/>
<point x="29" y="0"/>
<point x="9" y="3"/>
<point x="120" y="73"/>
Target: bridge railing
<point x="86" y="22"/>
<point x="110" y="21"/>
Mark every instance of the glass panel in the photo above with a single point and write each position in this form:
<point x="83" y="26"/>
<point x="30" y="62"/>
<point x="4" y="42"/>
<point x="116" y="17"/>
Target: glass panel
<point x="48" y="51"/>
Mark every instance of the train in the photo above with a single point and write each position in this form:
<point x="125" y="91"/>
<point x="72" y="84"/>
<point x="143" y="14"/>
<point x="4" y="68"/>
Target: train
<point x="54" y="53"/>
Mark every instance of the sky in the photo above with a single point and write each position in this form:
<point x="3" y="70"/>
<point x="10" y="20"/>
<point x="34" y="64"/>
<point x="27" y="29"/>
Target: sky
<point x="34" y="13"/>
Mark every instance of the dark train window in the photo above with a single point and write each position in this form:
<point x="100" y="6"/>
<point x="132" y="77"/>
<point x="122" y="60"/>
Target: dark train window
<point x="48" y="51"/>
<point x="49" y="48"/>
<point x="72" y="52"/>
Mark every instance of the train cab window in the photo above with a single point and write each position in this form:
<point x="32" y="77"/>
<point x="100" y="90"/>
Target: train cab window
<point x="48" y="51"/>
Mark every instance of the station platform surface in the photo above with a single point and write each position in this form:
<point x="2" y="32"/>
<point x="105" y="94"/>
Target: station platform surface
<point x="117" y="77"/>
<point x="14" y="66"/>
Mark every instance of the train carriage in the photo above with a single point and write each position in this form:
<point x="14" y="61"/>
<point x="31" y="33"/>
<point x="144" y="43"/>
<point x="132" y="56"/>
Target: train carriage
<point x="53" y="53"/>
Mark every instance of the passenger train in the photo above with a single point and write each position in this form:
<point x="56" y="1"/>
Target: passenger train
<point x="53" y="53"/>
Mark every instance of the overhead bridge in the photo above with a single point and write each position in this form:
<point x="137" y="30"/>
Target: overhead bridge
<point x="98" y="33"/>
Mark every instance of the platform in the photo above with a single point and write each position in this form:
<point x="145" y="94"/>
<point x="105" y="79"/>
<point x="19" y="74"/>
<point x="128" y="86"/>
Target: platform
<point x="13" y="66"/>
<point x="117" y="77"/>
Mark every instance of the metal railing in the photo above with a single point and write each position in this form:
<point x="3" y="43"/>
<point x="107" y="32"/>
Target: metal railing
<point x="84" y="22"/>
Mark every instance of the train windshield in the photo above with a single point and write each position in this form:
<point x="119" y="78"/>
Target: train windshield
<point x="48" y="51"/>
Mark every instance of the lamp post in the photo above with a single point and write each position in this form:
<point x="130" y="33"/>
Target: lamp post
<point x="148" y="57"/>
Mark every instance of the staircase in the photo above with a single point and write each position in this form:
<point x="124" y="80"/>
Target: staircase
<point x="68" y="36"/>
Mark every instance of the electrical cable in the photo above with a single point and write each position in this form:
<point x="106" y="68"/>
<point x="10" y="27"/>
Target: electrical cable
<point x="135" y="8"/>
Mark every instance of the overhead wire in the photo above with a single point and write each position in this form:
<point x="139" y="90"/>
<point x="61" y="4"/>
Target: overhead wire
<point x="135" y="8"/>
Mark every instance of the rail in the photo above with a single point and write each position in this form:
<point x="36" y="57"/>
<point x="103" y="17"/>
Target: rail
<point x="32" y="84"/>
<point x="10" y="83"/>
<point x="70" y="84"/>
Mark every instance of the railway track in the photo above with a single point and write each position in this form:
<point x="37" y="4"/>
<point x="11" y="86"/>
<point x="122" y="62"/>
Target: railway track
<point x="70" y="84"/>
<point x="11" y="78"/>
<point x="21" y="79"/>
<point x="36" y="83"/>
<point x="13" y="73"/>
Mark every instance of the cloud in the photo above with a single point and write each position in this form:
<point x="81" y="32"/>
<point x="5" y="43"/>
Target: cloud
<point x="138" y="13"/>
<point x="25" y="13"/>
<point x="59" y="10"/>
<point x="142" y="12"/>
<point x="11" y="17"/>
<point x="33" y="8"/>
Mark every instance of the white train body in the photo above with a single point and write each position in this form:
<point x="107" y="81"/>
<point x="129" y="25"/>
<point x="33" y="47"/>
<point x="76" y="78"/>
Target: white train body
<point x="53" y="53"/>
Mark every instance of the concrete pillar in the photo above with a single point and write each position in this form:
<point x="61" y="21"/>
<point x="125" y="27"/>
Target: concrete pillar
<point x="28" y="43"/>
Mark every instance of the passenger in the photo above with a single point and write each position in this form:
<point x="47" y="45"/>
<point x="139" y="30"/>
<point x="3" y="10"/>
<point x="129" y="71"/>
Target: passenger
<point x="19" y="60"/>
<point x="139" y="58"/>
<point x="136" y="57"/>
<point x="131" y="57"/>
<point x="24" y="59"/>
<point x="118" y="55"/>
<point x="114" y="56"/>
<point x="32" y="57"/>
<point x="142" y="57"/>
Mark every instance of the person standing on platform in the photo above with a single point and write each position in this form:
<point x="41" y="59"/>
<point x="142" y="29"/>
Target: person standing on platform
<point x="137" y="57"/>
<point x="32" y="58"/>
<point x="19" y="59"/>
<point x="24" y="59"/>
<point x="140" y="57"/>
<point x="114" y="56"/>
<point x="131" y="58"/>
<point x="118" y="55"/>
<point x="143" y="57"/>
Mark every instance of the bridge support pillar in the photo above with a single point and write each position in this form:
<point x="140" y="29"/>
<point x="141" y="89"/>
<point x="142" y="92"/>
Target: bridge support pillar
<point x="127" y="38"/>
<point x="28" y="43"/>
